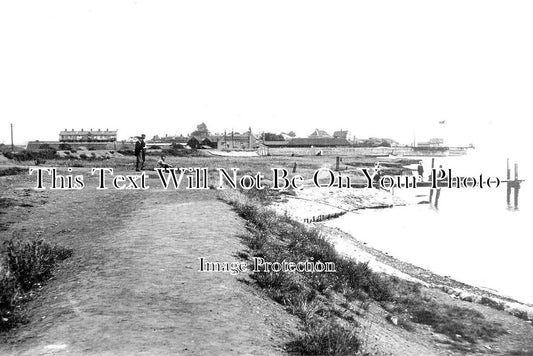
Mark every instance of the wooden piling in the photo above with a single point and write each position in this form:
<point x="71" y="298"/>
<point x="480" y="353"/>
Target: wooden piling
<point x="294" y="167"/>
<point x="508" y="183"/>
<point x="432" y="173"/>
<point x="337" y="163"/>
<point x="516" y="186"/>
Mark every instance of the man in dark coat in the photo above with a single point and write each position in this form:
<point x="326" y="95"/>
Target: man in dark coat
<point x="140" y="153"/>
<point x="420" y="169"/>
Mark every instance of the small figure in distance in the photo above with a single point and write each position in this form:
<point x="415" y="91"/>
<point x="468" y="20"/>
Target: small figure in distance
<point x="377" y="175"/>
<point x="420" y="169"/>
<point x="163" y="164"/>
<point x="140" y="153"/>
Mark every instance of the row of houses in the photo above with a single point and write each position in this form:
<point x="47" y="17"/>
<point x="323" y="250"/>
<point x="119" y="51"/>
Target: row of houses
<point x="230" y="141"/>
<point x="88" y="136"/>
<point x="248" y="141"/>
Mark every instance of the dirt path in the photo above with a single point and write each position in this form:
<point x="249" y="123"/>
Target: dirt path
<point x="136" y="289"/>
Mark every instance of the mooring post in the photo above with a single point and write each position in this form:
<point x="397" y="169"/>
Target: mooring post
<point x="294" y="167"/>
<point x="508" y="183"/>
<point x="516" y="185"/>
<point x="337" y="163"/>
<point x="12" y="146"/>
<point x="432" y="172"/>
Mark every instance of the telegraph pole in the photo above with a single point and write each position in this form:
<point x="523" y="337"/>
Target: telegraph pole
<point x="12" y="146"/>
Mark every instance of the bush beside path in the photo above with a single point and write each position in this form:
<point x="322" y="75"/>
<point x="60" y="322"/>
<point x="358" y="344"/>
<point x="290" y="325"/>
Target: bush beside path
<point x="132" y="285"/>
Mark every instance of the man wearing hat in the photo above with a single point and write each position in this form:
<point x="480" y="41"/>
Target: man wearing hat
<point x="140" y="151"/>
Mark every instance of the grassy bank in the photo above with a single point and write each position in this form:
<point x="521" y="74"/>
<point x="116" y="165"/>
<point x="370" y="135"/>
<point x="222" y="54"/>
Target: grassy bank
<point x="329" y="304"/>
<point x="24" y="268"/>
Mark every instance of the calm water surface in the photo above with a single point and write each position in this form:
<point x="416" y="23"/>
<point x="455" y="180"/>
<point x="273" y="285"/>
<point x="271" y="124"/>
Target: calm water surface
<point x="473" y="236"/>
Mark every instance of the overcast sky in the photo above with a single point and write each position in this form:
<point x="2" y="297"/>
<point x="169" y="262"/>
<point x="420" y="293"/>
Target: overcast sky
<point x="377" y="68"/>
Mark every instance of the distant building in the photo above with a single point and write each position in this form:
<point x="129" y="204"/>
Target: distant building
<point x="375" y="142"/>
<point x="286" y="137"/>
<point x="319" y="142"/>
<point x="171" y="139"/>
<point x="194" y="142"/>
<point x="319" y="134"/>
<point x="201" y="142"/>
<point x="276" y="143"/>
<point x="341" y="134"/>
<point x="88" y="136"/>
<point x="433" y="142"/>
<point x="236" y="141"/>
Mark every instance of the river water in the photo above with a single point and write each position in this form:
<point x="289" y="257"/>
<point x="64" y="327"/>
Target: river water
<point x="473" y="237"/>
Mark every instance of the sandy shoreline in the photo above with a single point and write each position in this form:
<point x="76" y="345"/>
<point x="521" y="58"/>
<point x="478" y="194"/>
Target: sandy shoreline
<point x="314" y="202"/>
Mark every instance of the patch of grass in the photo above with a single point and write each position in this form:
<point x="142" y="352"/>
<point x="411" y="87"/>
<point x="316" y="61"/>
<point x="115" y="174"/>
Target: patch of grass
<point x="9" y="295"/>
<point x="182" y="152"/>
<point x="7" y="202"/>
<point x="459" y="323"/>
<point x="492" y="303"/>
<point x="327" y="338"/>
<point x="25" y="155"/>
<point x="31" y="262"/>
<point x="11" y="171"/>
<point x="521" y="314"/>
<point x="469" y="324"/>
<point x="25" y="266"/>
<point x="278" y="238"/>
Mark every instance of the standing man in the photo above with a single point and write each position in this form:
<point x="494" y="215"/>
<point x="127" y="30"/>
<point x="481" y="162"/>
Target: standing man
<point x="140" y="153"/>
<point x="420" y="169"/>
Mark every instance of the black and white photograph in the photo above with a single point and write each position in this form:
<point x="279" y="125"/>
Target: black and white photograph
<point x="266" y="178"/>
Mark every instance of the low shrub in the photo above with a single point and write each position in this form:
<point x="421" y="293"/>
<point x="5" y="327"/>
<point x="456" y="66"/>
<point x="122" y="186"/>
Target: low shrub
<point x="492" y="303"/>
<point x="24" y="266"/>
<point x="11" y="171"/>
<point x="9" y="293"/>
<point x="181" y="152"/>
<point x="327" y="338"/>
<point x="127" y="152"/>
<point x="31" y="262"/>
<point x="457" y="322"/>
<point x="25" y="155"/>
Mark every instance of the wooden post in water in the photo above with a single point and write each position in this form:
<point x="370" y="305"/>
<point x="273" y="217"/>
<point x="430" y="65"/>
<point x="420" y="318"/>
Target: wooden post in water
<point x="12" y="146"/>
<point x="337" y="163"/>
<point x="508" y="183"/>
<point x="437" y="196"/>
<point x="294" y="167"/>
<point x="432" y="172"/>
<point x="513" y="185"/>
<point x="516" y="185"/>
